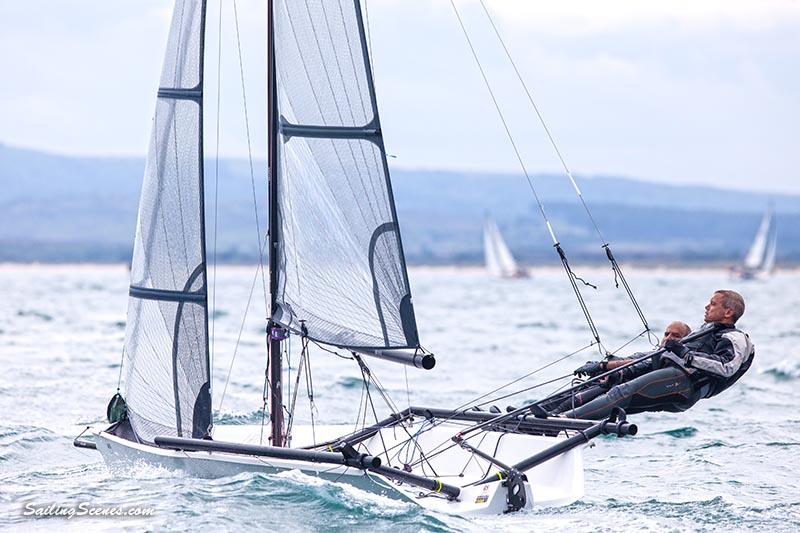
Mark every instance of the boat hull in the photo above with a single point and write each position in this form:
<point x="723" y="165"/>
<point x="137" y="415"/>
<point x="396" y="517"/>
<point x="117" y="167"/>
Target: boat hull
<point x="556" y="482"/>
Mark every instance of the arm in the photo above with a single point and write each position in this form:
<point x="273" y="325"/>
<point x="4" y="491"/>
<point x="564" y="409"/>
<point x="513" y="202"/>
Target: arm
<point x="633" y="371"/>
<point x="731" y="350"/>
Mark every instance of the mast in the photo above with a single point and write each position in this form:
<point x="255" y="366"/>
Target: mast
<point x="275" y="363"/>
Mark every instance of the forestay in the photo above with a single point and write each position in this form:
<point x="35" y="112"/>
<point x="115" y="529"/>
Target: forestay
<point x="341" y="269"/>
<point x="166" y="346"/>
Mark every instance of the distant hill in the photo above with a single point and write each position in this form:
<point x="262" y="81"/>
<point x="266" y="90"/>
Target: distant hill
<point x="58" y="208"/>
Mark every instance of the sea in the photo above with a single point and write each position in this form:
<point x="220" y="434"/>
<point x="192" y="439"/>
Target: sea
<point x="730" y="463"/>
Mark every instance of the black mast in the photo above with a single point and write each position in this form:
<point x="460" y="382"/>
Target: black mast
<point x="275" y="363"/>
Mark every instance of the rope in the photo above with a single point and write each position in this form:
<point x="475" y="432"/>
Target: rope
<point x="528" y="178"/>
<point x="303" y="369"/>
<point x="293" y="395"/>
<point x="529" y="374"/>
<point x="310" y="391"/>
<point x="250" y="157"/>
<point x="121" y="361"/>
<point x="264" y="395"/>
<point x="573" y="279"/>
<point x="605" y="245"/>
<point x="617" y="270"/>
<point x="527" y="389"/>
<point x="408" y="389"/>
<point x="216" y="192"/>
<point x="239" y="336"/>
<point x="366" y="376"/>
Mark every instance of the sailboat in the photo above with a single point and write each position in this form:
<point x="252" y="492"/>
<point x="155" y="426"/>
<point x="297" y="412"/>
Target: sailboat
<point x="759" y="263"/>
<point x="500" y="263"/>
<point x="337" y="279"/>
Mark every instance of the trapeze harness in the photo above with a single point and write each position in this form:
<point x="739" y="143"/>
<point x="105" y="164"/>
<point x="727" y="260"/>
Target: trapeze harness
<point x="714" y="363"/>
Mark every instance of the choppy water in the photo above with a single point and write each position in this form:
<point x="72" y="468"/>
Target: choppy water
<point x="729" y="463"/>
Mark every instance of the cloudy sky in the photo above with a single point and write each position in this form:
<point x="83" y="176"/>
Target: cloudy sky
<point x="678" y="91"/>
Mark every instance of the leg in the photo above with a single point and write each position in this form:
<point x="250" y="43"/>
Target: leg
<point x="663" y="389"/>
<point x="579" y="398"/>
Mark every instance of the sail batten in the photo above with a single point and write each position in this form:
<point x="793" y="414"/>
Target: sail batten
<point x="341" y="270"/>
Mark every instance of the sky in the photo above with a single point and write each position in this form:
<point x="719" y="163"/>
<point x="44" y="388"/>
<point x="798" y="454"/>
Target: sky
<point x="679" y="91"/>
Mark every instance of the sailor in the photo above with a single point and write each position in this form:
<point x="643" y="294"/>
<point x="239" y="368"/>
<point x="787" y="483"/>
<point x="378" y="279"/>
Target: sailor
<point x="675" y="330"/>
<point x="683" y="374"/>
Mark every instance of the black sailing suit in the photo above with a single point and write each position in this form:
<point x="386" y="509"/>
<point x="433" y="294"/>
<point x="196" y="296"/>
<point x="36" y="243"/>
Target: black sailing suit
<point x="714" y="362"/>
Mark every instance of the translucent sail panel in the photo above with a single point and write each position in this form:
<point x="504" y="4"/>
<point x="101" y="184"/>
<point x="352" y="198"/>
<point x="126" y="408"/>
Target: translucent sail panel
<point x="167" y="248"/>
<point x="166" y="384"/>
<point x="341" y="269"/>
<point x="166" y="346"/>
<point x="321" y="65"/>
<point x="182" y="67"/>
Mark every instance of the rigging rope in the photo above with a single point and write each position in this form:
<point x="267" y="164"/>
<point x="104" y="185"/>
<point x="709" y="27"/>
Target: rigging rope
<point x="239" y="337"/>
<point x="250" y="158"/>
<point x="121" y="361"/>
<point x="366" y="376"/>
<point x="605" y="245"/>
<point x="570" y="274"/>
<point x="303" y="369"/>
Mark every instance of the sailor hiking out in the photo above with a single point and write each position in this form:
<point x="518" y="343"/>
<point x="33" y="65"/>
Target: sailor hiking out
<point x="679" y="377"/>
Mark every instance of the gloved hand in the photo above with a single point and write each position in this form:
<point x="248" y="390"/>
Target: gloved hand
<point x="676" y="347"/>
<point x="591" y="369"/>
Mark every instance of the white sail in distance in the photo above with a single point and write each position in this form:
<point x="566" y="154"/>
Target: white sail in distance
<point x="757" y="254"/>
<point x="769" y="258"/>
<point x="500" y="262"/>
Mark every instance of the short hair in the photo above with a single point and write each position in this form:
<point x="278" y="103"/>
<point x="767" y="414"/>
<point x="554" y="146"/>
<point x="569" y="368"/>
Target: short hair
<point x="686" y="328"/>
<point x="732" y="300"/>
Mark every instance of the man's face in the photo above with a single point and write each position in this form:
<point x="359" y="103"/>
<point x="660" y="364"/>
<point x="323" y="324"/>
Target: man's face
<point x="715" y="311"/>
<point x="674" y="331"/>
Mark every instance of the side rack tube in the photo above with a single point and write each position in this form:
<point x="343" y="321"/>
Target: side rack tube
<point x="605" y="427"/>
<point x="362" y="461"/>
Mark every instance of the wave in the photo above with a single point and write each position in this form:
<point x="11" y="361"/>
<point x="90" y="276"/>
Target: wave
<point x="679" y="433"/>
<point x="320" y="504"/>
<point x="36" y="314"/>
<point x="238" y="419"/>
<point x="24" y="436"/>
<point x="783" y="444"/>
<point x="784" y="371"/>
<point x="350" y="382"/>
<point x="713" y="444"/>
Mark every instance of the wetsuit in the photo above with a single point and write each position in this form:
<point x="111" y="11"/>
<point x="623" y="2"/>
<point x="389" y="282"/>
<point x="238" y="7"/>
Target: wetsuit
<point x="714" y="362"/>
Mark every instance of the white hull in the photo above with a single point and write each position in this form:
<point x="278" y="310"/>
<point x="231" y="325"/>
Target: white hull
<point x="555" y="482"/>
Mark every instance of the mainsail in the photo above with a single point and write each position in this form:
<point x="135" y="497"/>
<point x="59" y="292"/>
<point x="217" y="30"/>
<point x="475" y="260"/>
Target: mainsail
<point x="166" y="346"/>
<point x="499" y="261"/>
<point x="341" y="271"/>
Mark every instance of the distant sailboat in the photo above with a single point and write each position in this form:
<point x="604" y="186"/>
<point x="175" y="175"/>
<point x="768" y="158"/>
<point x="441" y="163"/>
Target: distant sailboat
<point x="760" y="259"/>
<point x="499" y="261"/>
